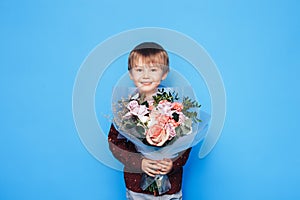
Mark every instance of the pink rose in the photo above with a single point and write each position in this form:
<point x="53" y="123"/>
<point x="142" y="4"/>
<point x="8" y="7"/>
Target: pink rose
<point x="165" y="107"/>
<point x="157" y="135"/>
<point x="170" y="129"/>
<point x="138" y="110"/>
<point x="132" y="105"/>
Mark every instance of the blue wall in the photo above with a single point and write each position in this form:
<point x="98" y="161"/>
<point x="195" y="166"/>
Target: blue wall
<point x="255" y="46"/>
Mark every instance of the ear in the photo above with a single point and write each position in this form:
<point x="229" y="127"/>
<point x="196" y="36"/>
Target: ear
<point x="164" y="76"/>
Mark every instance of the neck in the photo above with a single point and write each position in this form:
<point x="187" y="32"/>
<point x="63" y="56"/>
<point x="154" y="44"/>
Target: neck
<point x="148" y="96"/>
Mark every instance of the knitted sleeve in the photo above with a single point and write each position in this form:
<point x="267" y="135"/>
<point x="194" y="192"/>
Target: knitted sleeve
<point x="124" y="151"/>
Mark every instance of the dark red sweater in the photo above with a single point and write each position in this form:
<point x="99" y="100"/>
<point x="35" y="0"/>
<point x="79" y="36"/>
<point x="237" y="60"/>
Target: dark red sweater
<point x="126" y="153"/>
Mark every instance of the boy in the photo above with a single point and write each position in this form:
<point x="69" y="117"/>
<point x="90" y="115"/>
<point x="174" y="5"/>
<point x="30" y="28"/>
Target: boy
<point x="148" y="65"/>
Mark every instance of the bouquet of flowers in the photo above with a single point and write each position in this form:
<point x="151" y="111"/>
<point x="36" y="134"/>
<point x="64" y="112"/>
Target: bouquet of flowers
<point x="159" y="121"/>
<point x="160" y="128"/>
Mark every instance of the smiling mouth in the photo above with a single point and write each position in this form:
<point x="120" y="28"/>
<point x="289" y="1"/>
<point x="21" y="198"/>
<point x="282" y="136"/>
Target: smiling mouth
<point x="146" y="83"/>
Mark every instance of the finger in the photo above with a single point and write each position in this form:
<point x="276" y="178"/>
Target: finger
<point x="166" y="161"/>
<point x="165" y="164"/>
<point x="149" y="174"/>
<point x="152" y="172"/>
<point x="161" y="166"/>
<point x="148" y="163"/>
<point x="162" y="173"/>
<point x="165" y="170"/>
<point x="154" y="166"/>
<point x="151" y="162"/>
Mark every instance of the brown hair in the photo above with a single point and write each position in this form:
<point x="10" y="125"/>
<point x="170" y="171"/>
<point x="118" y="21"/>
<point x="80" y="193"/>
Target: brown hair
<point x="149" y="52"/>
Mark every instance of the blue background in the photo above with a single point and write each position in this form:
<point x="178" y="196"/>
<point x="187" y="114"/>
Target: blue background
<point x="254" y="44"/>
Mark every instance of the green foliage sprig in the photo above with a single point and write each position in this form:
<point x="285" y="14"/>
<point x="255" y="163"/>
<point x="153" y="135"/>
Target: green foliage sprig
<point x="163" y="95"/>
<point x="188" y="104"/>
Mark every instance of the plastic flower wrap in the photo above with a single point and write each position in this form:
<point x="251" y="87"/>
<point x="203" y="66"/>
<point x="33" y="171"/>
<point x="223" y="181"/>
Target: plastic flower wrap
<point x="161" y="127"/>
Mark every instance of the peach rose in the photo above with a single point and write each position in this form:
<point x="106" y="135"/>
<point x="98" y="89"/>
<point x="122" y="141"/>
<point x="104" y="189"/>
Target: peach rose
<point x="151" y="106"/>
<point x="174" y="123"/>
<point x="157" y="135"/>
<point x="177" y="106"/>
<point x="162" y="119"/>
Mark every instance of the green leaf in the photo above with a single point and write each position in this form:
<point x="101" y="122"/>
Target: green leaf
<point x="175" y="116"/>
<point x="146" y="104"/>
<point x="129" y="126"/>
<point x="140" y="130"/>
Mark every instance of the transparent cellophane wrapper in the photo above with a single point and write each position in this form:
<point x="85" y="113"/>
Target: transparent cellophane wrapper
<point x="173" y="147"/>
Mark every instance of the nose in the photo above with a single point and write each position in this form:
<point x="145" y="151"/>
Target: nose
<point x="146" y="73"/>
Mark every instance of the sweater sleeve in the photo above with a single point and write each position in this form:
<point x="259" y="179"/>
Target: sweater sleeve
<point x="124" y="151"/>
<point x="180" y="161"/>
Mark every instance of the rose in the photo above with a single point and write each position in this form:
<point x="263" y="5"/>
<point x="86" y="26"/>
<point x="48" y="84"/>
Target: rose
<point x="153" y="115"/>
<point x="151" y="106"/>
<point x="174" y="123"/>
<point x="165" y="107"/>
<point x="156" y="135"/>
<point x="170" y="129"/>
<point x="157" y="118"/>
<point x="162" y="119"/>
<point x="132" y="105"/>
<point x="177" y="106"/>
<point x="138" y="110"/>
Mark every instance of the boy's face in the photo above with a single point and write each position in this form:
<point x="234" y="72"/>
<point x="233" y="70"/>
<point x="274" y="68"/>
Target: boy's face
<point x="147" y="77"/>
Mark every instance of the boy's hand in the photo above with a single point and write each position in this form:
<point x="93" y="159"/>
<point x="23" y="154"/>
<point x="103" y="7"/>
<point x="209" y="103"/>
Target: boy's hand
<point x="155" y="167"/>
<point x="165" y="165"/>
<point x="150" y="167"/>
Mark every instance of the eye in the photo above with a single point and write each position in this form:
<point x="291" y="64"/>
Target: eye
<point x="154" y="69"/>
<point x="138" y="70"/>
